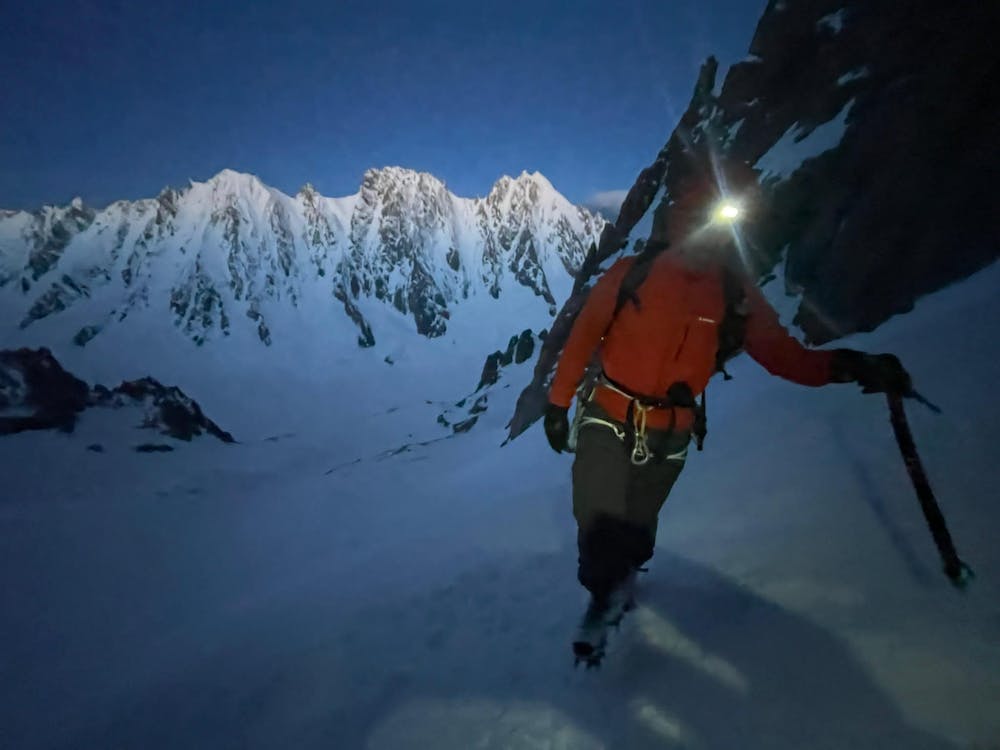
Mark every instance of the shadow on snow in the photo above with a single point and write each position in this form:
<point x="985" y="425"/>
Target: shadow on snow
<point x="485" y="662"/>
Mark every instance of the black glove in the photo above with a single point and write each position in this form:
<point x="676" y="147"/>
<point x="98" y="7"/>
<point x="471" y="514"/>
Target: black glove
<point x="556" y="427"/>
<point x="875" y="373"/>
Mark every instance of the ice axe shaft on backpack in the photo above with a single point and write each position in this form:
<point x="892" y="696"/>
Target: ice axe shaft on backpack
<point x="957" y="571"/>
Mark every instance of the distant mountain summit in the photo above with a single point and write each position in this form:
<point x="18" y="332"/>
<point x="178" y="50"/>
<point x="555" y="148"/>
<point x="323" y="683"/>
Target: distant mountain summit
<point x="232" y="252"/>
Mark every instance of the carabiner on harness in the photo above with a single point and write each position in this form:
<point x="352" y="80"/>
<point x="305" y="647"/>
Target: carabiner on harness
<point x="633" y="432"/>
<point x="635" y="420"/>
<point x="640" y="446"/>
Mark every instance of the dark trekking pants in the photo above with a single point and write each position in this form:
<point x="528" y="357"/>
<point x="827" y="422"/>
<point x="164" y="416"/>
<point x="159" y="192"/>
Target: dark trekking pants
<point x="616" y="504"/>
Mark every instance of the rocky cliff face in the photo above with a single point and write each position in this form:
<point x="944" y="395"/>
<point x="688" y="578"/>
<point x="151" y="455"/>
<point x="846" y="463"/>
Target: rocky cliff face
<point x="877" y="161"/>
<point x="896" y="204"/>
<point x="234" y="252"/>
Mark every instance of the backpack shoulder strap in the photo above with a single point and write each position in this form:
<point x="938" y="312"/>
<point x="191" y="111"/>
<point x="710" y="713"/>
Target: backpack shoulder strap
<point x="628" y="291"/>
<point x="731" y="331"/>
<point x="732" y="328"/>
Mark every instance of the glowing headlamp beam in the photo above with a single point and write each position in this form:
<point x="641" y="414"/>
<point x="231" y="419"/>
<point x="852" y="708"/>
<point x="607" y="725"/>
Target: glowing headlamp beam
<point x="727" y="212"/>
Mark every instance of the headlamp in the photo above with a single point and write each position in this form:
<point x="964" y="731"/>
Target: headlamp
<point x="727" y="212"/>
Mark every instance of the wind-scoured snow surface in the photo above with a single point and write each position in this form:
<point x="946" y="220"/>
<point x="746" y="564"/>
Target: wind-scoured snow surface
<point x="340" y="585"/>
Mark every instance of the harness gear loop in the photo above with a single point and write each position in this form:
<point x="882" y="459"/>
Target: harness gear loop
<point x="582" y="419"/>
<point x="619" y="432"/>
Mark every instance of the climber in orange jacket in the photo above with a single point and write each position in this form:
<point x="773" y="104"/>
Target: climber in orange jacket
<point x="658" y="339"/>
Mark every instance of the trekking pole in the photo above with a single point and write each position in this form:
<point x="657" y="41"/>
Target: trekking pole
<point x="957" y="571"/>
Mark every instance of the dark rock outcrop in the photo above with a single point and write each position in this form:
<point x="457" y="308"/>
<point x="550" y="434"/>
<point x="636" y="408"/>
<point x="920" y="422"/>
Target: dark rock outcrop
<point x="898" y="205"/>
<point x="85" y="335"/>
<point x="167" y="409"/>
<point x="36" y="393"/>
<point x="463" y="416"/>
<point x="33" y="381"/>
<point x="153" y="448"/>
<point x="519" y="349"/>
<point x="366" y="338"/>
<point x="902" y="205"/>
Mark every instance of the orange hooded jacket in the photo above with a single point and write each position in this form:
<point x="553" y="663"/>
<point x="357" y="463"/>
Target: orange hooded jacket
<point x="671" y="336"/>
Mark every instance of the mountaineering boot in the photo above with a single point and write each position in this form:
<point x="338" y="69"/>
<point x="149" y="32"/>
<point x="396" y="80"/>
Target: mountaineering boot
<point x="602" y="613"/>
<point x="592" y="634"/>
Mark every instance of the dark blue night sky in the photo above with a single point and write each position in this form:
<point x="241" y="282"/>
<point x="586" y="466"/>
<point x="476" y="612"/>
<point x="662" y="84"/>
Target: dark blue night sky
<point x="111" y="100"/>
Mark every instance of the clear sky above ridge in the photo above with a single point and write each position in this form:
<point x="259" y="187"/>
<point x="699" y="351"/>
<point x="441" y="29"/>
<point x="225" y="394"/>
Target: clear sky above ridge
<point x="108" y="99"/>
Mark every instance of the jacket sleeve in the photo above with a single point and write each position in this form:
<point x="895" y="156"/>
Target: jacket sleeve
<point x="588" y="330"/>
<point x="776" y="350"/>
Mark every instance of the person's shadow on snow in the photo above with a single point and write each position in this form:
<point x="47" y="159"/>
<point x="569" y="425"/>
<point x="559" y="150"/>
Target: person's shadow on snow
<point x="485" y="662"/>
<point x="703" y="663"/>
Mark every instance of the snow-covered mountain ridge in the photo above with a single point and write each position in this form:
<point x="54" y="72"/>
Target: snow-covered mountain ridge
<point x="232" y="251"/>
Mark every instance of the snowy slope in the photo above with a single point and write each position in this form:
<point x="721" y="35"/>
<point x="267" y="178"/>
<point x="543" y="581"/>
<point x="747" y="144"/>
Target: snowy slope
<point x="423" y="596"/>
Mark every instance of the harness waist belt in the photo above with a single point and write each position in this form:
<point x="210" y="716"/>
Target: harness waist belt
<point x="659" y="416"/>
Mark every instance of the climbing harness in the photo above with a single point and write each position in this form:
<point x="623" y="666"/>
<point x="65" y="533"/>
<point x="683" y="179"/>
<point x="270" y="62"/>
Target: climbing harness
<point x="633" y="432"/>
